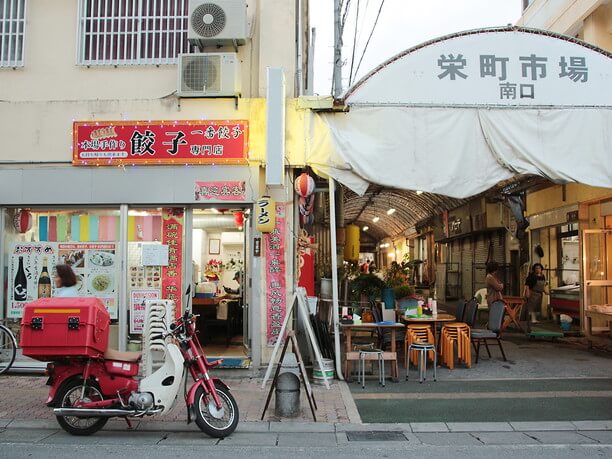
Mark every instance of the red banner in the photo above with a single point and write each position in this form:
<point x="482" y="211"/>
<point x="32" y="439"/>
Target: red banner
<point x="172" y="236"/>
<point x="160" y="142"/>
<point x="276" y="296"/>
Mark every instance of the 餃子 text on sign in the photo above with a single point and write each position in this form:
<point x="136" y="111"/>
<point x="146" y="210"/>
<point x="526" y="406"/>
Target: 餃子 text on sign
<point x="159" y="142"/>
<point x="276" y="298"/>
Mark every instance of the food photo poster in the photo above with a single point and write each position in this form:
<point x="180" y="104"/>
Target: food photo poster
<point x="94" y="264"/>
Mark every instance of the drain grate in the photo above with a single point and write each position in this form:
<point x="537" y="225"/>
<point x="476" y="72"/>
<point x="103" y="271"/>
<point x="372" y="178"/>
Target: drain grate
<point x="375" y="435"/>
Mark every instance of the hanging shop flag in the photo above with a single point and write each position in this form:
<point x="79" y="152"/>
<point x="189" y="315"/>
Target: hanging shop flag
<point x="276" y="300"/>
<point x="220" y="191"/>
<point x="109" y="143"/>
<point x="172" y="236"/>
<point x="264" y="214"/>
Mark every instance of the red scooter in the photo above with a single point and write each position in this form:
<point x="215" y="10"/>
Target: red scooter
<point x="86" y="392"/>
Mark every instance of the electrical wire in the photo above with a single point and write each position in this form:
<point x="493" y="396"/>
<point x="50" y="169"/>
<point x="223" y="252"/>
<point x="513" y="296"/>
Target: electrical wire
<point x="370" y="36"/>
<point x="354" y="44"/>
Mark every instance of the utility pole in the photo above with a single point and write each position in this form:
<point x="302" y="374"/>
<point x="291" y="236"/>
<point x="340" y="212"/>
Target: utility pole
<point x="337" y="75"/>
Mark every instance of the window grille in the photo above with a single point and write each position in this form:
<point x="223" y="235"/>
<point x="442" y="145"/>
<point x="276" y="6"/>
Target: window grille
<point x="123" y="32"/>
<point x="12" y="28"/>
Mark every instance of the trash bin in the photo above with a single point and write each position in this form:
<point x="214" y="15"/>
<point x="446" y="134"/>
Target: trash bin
<point x="287" y="395"/>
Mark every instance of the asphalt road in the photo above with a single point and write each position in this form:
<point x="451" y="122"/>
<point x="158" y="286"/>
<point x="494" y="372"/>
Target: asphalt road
<point x="82" y="449"/>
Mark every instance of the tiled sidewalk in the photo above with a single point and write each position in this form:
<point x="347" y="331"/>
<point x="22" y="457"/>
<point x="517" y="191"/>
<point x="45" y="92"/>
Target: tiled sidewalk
<point x="23" y="397"/>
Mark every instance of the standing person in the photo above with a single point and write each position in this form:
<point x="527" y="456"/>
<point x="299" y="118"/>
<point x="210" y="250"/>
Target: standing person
<point x="494" y="286"/>
<point x="535" y="287"/>
<point x="65" y="282"/>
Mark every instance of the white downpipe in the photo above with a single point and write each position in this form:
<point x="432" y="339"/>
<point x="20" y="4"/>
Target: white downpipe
<point x="2" y="216"/>
<point x="334" y="260"/>
<point x="123" y="305"/>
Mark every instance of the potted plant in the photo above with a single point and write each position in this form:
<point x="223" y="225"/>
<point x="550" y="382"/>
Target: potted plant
<point x="366" y="285"/>
<point x="395" y="276"/>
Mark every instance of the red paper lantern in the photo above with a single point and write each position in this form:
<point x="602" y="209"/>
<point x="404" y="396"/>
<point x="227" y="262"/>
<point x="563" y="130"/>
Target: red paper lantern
<point x="239" y="219"/>
<point x="304" y="185"/>
<point x="22" y="221"/>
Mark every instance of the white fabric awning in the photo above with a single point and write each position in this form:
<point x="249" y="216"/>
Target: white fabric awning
<point x="460" y="152"/>
<point x="459" y="114"/>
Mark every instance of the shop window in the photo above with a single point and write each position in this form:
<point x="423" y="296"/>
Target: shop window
<point x="36" y="240"/>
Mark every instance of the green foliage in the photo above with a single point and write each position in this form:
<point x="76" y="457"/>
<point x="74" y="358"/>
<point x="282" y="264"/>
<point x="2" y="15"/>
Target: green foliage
<point x="368" y="285"/>
<point x="397" y="274"/>
<point x="403" y="291"/>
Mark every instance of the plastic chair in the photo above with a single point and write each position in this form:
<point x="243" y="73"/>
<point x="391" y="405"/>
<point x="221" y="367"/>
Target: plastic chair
<point x="481" y="298"/>
<point x="384" y="335"/>
<point x="471" y="308"/>
<point x="459" y="333"/>
<point x="416" y="333"/>
<point x="493" y="331"/>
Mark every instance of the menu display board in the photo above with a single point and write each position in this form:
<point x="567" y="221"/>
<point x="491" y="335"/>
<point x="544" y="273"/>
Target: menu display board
<point x="95" y="265"/>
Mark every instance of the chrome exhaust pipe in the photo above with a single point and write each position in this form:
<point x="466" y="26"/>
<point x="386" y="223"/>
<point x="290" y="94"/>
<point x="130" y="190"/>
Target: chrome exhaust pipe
<point x="102" y="412"/>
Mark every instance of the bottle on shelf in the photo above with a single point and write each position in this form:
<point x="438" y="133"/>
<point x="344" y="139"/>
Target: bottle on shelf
<point x="20" y="287"/>
<point x="44" y="281"/>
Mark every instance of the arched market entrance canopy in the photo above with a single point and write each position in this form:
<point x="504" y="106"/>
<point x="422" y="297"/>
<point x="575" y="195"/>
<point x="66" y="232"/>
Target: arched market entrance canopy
<point x="457" y="115"/>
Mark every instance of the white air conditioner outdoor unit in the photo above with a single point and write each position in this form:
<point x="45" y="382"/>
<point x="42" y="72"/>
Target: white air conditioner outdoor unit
<point x="208" y="75"/>
<point x="217" y="22"/>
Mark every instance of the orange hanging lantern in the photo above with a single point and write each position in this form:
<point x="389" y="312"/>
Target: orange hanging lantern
<point x="22" y="221"/>
<point x="304" y="185"/>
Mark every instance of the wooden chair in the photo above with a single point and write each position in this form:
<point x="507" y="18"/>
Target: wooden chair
<point x="493" y="331"/>
<point x="513" y="308"/>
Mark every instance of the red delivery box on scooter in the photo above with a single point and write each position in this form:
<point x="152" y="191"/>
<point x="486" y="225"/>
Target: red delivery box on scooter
<point x="64" y="327"/>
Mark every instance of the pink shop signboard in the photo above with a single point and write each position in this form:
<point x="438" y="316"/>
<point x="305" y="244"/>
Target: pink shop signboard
<point x="276" y="297"/>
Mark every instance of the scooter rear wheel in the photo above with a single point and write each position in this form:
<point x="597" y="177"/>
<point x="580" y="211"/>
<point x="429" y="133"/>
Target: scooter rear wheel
<point x="70" y="393"/>
<point x="216" y="423"/>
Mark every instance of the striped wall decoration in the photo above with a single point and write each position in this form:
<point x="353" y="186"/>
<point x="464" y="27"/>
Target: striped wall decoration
<point x="157" y="228"/>
<point x="62" y="228"/>
<point x="52" y="228"/>
<point x="94" y="228"/>
<point x="43" y="229"/>
<point x="84" y="228"/>
<point x="75" y="228"/>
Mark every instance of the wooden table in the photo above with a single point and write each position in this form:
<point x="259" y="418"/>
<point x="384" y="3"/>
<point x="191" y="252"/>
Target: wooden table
<point x="589" y="315"/>
<point x="431" y="320"/>
<point x="514" y="305"/>
<point x="354" y="355"/>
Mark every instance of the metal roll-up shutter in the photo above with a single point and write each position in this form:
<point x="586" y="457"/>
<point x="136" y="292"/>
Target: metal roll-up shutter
<point x="467" y="260"/>
<point x="481" y="252"/>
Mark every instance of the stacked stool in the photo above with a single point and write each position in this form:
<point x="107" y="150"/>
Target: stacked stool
<point x="374" y="354"/>
<point x="459" y="333"/>
<point x="417" y="346"/>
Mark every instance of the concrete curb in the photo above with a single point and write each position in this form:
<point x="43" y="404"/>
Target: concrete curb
<point x="320" y="427"/>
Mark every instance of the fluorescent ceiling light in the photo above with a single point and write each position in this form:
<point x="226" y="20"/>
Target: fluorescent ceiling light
<point x="390" y="211"/>
<point x="375" y="219"/>
<point x="419" y="192"/>
<point x="365" y="228"/>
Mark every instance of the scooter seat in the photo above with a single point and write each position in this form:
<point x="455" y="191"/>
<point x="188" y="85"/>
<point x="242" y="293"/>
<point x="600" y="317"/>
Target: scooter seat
<point x="112" y="354"/>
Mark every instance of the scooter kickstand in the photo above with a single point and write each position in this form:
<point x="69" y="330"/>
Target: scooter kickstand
<point x="129" y="423"/>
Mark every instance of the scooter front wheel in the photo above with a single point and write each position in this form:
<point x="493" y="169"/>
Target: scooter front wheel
<point x="216" y="423"/>
<point x="69" y="395"/>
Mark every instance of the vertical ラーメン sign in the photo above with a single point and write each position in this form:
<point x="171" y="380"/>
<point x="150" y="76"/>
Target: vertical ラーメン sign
<point x="276" y="296"/>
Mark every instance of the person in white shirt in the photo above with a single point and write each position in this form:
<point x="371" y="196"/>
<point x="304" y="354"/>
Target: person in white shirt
<point x="65" y="282"/>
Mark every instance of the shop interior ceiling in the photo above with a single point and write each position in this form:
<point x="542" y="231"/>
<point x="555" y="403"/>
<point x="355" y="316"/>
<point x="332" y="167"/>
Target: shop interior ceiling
<point x="412" y="208"/>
